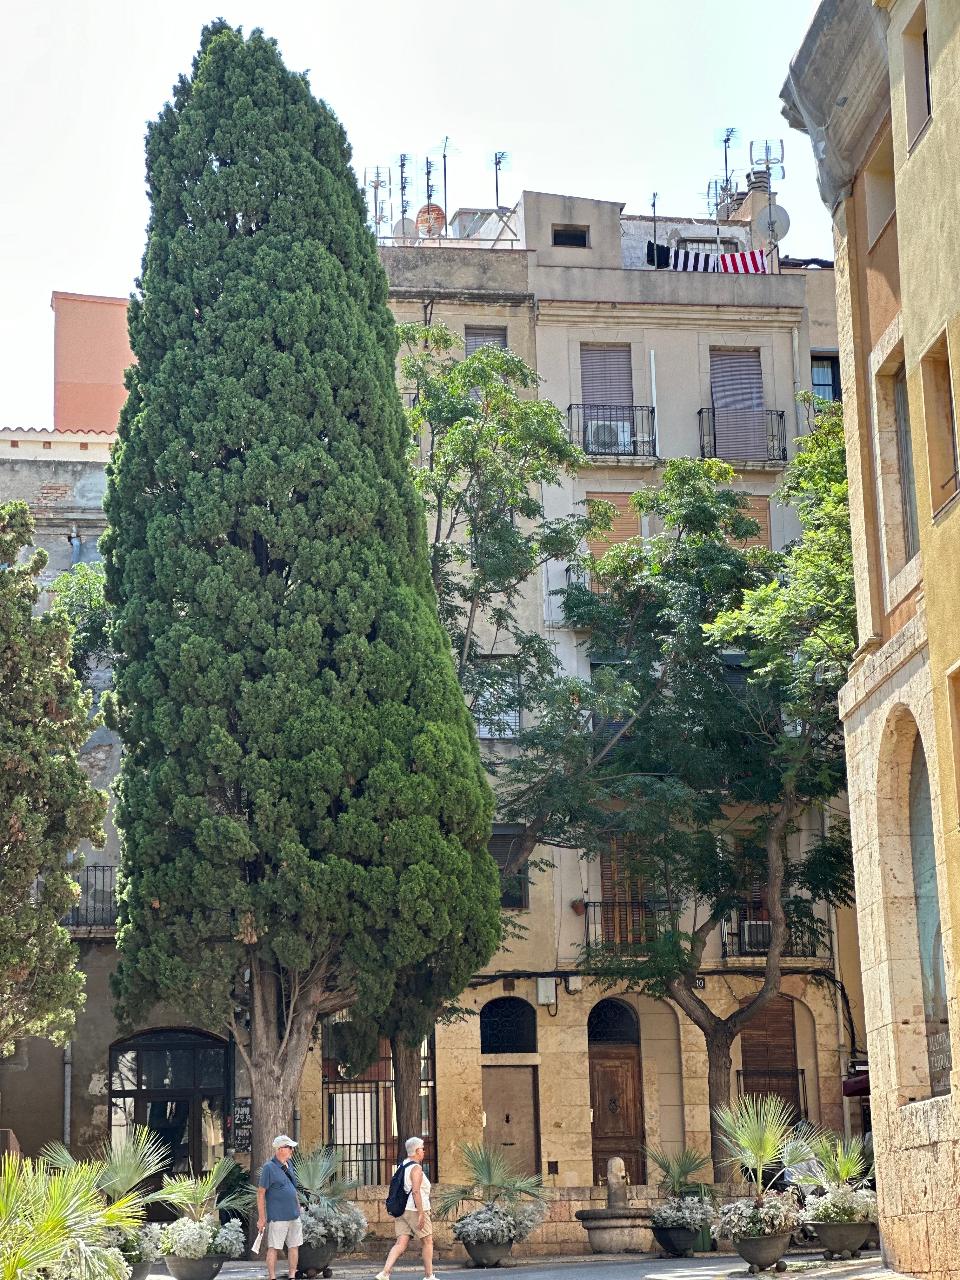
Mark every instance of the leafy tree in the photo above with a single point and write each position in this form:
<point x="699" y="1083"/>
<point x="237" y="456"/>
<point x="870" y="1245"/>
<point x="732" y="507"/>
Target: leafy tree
<point x="482" y="452"/>
<point x="303" y="808"/>
<point x="80" y="596"/>
<point x="47" y="806"/>
<point x="702" y="782"/>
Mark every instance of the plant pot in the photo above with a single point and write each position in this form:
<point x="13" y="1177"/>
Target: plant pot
<point x="579" y="907"/>
<point x="487" y="1255"/>
<point x="139" y="1270"/>
<point x="194" y="1268"/>
<point x="677" y="1241"/>
<point x="845" y="1239"/>
<point x="760" y="1252"/>
<point x="316" y="1257"/>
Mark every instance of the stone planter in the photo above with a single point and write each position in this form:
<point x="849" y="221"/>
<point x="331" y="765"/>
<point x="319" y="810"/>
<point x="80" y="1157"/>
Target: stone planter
<point x="761" y="1252"/>
<point x="487" y="1255"/>
<point x="194" y="1268"/>
<point x="139" y="1270"/>
<point x="842" y="1239"/>
<point x="315" y="1259"/>
<point x="677" y="1241"/>
<point x="622" y="1229"/>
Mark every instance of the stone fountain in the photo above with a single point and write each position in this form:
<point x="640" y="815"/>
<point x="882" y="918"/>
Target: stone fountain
<point x="620" y="1227"/>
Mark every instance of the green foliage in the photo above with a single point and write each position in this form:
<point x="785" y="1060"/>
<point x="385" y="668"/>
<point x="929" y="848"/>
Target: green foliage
<point x="678" y="1169"/>
<point x="838" y="1162"/>
<point x="200" y="1196"/>
<point x="491" y="1180"/>
<point x="301" y="793"/>
<point x="318" y="1173"/>
<point x="47" y="806"/>
<point x="59" y="1222"/>
<point x="761" y="1138"/>
<point x="123" y="1163"/>
<point x="80" y="597"/>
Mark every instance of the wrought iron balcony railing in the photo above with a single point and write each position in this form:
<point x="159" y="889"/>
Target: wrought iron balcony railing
<point x="790" y="1085"/>
<point x="621" y="927"/>
<point x="614" y="430"/>
<point x="743" y="435"/>
<point x="96" y="908"/>
<point x="746" y="935"/>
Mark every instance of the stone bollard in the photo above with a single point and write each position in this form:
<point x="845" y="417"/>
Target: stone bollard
<point x="616" y="1183"/>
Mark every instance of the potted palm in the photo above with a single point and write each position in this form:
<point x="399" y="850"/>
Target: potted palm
<point x="124" y="1164"/>
<point x="332" y="1224"/>
<point x="510" y="1205"/>
<point x="682" y="1216"/>
<point x="842" y="1208"/>
<point x="196" y="1244"/>
<point x="57" y="1222"/>
<point x="761" y="1138"/>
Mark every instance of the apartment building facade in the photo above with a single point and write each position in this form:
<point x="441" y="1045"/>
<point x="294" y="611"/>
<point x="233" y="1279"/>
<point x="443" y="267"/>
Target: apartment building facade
<point x="648" y="365"/>
<point x="877" y="88"/>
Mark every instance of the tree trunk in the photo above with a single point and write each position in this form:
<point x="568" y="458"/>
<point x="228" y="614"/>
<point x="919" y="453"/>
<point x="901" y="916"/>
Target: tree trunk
<point x="406" y="1090"/>
<point x="719" y="1066"/>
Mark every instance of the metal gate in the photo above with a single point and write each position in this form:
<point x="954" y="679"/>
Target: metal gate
<point x="359" y="1116"/>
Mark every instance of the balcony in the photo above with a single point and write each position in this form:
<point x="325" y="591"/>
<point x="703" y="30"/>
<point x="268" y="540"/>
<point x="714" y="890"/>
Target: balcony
<point x="96" y="908"/>
<point x="743" y="435"/>
<point x="614" y="430"/>
<point x="622" y="928"/>
<point x="789" y="1085"/>
<point x="744" y="935"/>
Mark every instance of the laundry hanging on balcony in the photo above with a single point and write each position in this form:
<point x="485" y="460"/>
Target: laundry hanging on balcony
<point x="749" y="263"/>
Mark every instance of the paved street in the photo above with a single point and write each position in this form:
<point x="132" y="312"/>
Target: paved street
<point x="643" y="1267"/>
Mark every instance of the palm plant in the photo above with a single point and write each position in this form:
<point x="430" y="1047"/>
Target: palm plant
<point x="492" y="1180"/>
<point x="124" y="1162"/>
<point x="202" y="1195"/>
<point x="60" y="1219"/>
<point x="678" y="1168"/>
<point x="837" y="1162"/>
<point x="318" y="1173"/>
<point x="762" y="1138"/>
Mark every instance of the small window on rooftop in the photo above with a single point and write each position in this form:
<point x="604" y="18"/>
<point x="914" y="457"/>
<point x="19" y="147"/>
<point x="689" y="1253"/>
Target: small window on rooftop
<point x="571" y="237"/>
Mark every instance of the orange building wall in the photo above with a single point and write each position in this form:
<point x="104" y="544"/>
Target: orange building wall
<point x="90" y="354"/>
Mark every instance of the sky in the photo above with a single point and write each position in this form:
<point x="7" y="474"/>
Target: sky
<point x="612" y="99"/>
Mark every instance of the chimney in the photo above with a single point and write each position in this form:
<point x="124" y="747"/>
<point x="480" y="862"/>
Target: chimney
<point x="758" y="180"/>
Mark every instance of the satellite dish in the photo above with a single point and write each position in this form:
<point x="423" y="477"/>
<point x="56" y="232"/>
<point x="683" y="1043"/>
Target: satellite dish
<point x="761" y="227"/>
<point x="431" y="220"/>
<point x="405" y="229"/>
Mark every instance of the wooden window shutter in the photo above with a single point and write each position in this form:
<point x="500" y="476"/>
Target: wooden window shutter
<point x="759" y="509"/>
<point x="627" y="916"/>
<point x="605" y="374"/>
<point x="476" y="336"/>
<point x="626" y="523"/>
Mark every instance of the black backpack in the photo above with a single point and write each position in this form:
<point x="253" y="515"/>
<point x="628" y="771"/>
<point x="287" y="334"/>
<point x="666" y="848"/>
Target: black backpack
<point x="396" y="1200"/>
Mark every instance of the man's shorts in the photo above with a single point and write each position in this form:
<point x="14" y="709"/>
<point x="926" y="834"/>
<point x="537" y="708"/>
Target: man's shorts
<point x="287" y="1234"/>
<point x="407" y="1225"/>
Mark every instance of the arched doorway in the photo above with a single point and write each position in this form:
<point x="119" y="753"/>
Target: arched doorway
<point x="508" y="1026"/>
<point x="613" y="1036"/>
<point x="768" y="1055"/>
<point x="174" y="1082"/>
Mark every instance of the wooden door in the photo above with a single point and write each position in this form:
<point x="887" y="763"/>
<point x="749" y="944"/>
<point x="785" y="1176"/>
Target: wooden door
<point x="513" y="1122"/>
<point x="768" y="1050"/>
<point x="615" y="1098"/>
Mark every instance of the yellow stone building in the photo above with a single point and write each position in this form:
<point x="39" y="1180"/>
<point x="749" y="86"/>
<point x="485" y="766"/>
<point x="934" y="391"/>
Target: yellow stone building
<point x="877" y="88"/>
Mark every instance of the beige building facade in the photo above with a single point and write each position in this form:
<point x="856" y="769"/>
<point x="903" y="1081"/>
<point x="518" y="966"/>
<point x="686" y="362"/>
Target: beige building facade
<point x="562" y="1073"/>
<point x="877" y="87"/>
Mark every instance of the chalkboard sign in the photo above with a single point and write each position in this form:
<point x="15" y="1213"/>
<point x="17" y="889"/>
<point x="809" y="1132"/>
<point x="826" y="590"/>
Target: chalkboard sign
<point x="242" y="1124"/>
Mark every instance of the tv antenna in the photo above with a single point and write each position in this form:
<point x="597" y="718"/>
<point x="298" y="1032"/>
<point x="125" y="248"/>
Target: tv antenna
<point x="404" y="184"/>
<point x="446" y="203"/>
<point x="428" y="169"/>
<point x="376" y="181"/>
<point x="773" y="223"/>
<point x="498" y="159"/>
<point x="728" y="136"/>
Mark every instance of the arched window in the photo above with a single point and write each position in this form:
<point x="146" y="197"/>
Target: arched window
<point x="612" y="1022"/>
<point x="508" y="1025"/>
<point x="175" y="1083"/>
<point x="932" y="979"/>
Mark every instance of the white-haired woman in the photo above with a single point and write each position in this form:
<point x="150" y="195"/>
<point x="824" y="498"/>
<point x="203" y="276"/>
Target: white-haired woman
<point x="415" y="1220"/>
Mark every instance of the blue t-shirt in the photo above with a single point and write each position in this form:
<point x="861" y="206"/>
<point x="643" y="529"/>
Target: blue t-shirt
<point x="282" y="1202"/>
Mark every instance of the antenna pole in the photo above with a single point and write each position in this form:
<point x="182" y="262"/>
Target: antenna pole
<point x="498" y="157"/>
<point x="446" y="206"/>
<point x="404" y="182"/>
<point x="429" y="171"/>
<point x="653" y="203"/>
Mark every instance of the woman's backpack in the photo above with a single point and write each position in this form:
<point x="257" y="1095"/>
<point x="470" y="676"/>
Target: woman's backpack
<point x="396" y="1201"/>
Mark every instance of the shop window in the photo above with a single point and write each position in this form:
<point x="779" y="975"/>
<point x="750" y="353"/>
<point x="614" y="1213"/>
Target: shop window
<point x="940" y="424"/>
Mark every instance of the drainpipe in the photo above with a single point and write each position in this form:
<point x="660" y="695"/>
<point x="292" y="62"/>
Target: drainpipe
<point x="795" y="336"/>
<point x="653" y="386"/>
<point x="67" y="1090"/>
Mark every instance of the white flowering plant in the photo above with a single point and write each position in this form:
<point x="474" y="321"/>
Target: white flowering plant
<point x="773" y="1213"/>
<point x="140" y="1245"/>
<point x="690" y="1213"/>
<point x="326" y="1223"/>
<point x="841" y="1204"/>
<point x="499" y="1223"/>
<point x="187" y="1238"/>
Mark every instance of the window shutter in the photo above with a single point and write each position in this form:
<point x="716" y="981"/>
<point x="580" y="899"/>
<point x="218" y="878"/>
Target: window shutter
<point x="736" y="388"/>
<point x="605" y="375"/>
<point x="626" y="523"/>
<point x="480" y="336"/>
<point x="759" y="509"/>
<point x="515" y="890"/>
<point x="627" y="917"/>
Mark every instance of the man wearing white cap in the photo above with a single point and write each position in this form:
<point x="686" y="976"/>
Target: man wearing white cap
<point x="278" y="1207"/>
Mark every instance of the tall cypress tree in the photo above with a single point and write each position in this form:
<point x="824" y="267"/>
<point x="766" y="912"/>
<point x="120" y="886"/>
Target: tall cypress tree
<point x="301" y="799"/>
